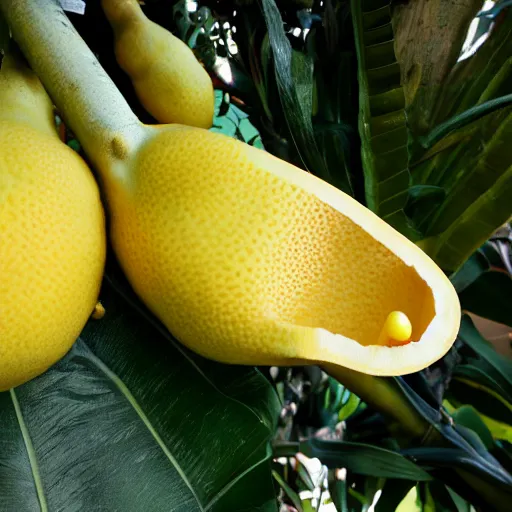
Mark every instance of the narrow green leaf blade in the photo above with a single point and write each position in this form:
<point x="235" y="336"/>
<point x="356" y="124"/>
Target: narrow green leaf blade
<point x="363" y="459"/>
<point x="294" y="77"/>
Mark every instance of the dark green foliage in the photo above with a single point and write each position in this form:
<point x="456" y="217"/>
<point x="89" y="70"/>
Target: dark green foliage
<point x="131" y="420"/>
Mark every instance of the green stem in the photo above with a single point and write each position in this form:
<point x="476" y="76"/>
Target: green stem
<point x="385" y="396"/>
<point x="461" y="120"/>
<point x="89" y="101"/>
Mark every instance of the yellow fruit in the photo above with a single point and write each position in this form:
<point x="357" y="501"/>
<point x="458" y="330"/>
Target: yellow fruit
<point x="245" y="258"/>
<point x="52" y="239"/>
<point x="169" y="81"/>
<point x="249" y="260"/>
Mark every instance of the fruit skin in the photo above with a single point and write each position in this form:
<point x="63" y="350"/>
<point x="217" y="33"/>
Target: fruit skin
<point x="236" y="253"/>
<point x="168" y="79"/>
<point x="52" y="234"/>
<point x="195" y="216"/>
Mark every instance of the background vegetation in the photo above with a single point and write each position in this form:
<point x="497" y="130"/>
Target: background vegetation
<point x="394" y="103"/>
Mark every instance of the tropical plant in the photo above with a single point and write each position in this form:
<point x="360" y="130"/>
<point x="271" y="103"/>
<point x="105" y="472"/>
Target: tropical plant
<point x="401" y="115"/>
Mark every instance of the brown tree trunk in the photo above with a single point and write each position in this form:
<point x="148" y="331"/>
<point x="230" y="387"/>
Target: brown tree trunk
<point x="429" y="35"/>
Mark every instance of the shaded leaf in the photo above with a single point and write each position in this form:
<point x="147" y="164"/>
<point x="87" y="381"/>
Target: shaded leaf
<point x="468" y="416"/>
<point x="393" y="493"/>
<point x="471" y="385"/>
<point x="441" y="500"/>
<point x="501" y="368"/>
<point x="472" y="269"/>
<point x="489" y="296"/>
<point x="294" y="77"/>
<point x="292" y="495"/>
<point x="382" y="120"/>
<point x="111" y="425"/>
<point x="363" y="459"/>
<point x="338" y="491"/>
<point x="465" y="118"/>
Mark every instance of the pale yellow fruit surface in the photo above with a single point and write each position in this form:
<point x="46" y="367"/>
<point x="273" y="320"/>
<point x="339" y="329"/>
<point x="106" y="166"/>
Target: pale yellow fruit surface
<point x="169" y="81"/>
<point x="247" y="259"/>
<point x="52" y="250"/>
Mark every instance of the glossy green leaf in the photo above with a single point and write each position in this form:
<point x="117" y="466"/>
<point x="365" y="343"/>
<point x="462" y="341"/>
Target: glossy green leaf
<point x="500" y="367"/>
<point x="130" y="420"/>
<point x="472" y="269"/>
<point x="472" y="385"/>
<point x="363" y="459"/>
<point x="382" y="120"/>
<point x="290" y="493"/>
<point x="294" y="77"/>
<point x="468" y="417"/>
<point x="489" y="296"/>
<point x="393" y="492"/>
<point x="349" y="407"/>
<point x="477" y="203"/>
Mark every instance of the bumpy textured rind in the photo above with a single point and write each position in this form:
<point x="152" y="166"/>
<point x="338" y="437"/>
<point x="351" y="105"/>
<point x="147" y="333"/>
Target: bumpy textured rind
<point x="52" y="250"/>
<point x="245" y="266"/>
<point x="168" y="79"/>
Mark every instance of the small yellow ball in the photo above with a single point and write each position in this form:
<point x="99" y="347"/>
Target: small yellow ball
<point x="398" y="326"/>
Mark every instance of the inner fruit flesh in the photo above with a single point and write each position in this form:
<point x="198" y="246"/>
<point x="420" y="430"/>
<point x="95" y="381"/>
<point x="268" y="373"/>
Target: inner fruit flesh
<point x="349" y="282"/>
<point x="235" y="249"/>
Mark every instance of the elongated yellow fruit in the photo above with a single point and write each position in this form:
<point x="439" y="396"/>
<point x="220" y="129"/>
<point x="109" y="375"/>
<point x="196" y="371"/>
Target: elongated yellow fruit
<point x="245" y="258"/>
<point x="169" y="81"/>
<point x="52" y="234"/>
<point x="248" y="259"/>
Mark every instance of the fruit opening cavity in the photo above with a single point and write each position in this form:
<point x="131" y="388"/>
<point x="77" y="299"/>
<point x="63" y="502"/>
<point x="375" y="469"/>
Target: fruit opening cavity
<point x="338" y="277"/>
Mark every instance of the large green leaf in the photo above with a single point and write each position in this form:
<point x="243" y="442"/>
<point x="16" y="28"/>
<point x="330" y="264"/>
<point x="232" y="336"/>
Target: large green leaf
<point x="489" y="297"/>
<point x="294" y="78"/>
<point x="499" y="368"/>
<point x="382" y="119"/>
<point x="364" y="459"/>
<point x="130" y="420"/>
<point x="466" y="152"/>
<point x="477" y="203"/>
<point x="484" y="286"/>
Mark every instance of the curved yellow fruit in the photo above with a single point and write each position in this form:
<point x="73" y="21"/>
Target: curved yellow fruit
<point x="169" y="81"/>
<point x="250" y="260"/>
<point x="52" y="235"/>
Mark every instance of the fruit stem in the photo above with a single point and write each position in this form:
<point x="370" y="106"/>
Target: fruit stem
<point x="385" y="396"/>
<point x="87" y="98"/>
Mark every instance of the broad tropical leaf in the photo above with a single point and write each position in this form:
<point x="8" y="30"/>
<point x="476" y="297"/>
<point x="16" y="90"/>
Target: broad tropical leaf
<point x="130" y="420"/>
<point x="382" y="120"/>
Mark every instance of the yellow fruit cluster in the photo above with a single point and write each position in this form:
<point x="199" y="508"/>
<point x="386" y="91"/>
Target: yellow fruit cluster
<point x="245" y="258"/>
